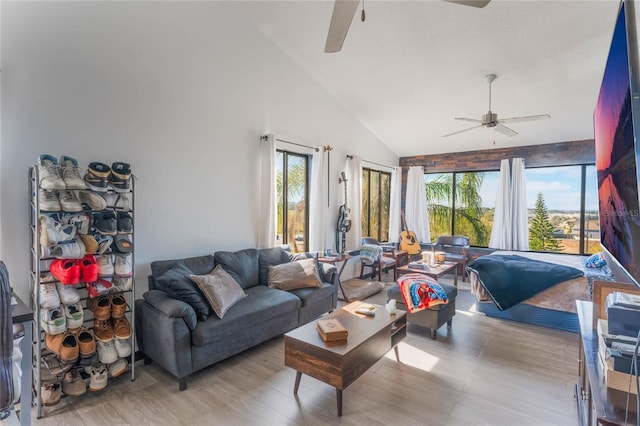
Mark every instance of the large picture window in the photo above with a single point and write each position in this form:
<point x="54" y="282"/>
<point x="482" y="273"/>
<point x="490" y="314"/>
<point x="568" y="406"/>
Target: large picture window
<point x="376" y="195"/>
<point x="292" y="186"/>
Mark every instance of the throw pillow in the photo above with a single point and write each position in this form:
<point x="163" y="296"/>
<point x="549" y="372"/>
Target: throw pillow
<point x="596" y="261"/>
<point x="292" y="275"/>
<point x="221" y="290"/>
<point x="177" y="284"/>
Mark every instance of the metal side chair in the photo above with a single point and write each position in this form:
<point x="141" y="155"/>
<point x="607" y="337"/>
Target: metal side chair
<point x="456" y="249"/>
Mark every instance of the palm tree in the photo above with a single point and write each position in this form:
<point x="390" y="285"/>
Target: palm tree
<point x="296" y="183"/>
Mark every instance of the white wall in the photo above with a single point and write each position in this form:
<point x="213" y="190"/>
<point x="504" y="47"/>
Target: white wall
<point x="181" y="91"/>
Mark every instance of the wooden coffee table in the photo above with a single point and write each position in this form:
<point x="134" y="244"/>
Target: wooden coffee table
<point x="436" y="271"/>
<point x="340" y="363"/>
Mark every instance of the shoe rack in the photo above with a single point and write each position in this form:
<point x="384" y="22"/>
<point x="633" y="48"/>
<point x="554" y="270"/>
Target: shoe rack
<point x="40" y="265"/>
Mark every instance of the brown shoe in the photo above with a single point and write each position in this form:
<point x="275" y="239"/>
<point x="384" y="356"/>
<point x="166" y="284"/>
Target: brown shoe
<point x="103" y="330"/>
<point x="100" y="306"/>
<point x="86" y="341"/>
<point x="122" y="328"/>
<point x="118" y="305"/>
<point x="50" y="393"/>
<point x="64" y="345"/>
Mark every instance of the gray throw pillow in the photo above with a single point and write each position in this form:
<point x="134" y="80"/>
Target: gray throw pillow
<point x="292" y="275"/>
<point x="220" y="289"/>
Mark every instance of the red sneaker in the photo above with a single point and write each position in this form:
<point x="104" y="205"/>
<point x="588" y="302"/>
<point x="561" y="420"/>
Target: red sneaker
<point x="89" y="268"/>
<point x="67" y="271"/>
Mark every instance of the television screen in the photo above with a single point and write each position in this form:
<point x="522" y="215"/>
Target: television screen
<point x="616" y="156"/>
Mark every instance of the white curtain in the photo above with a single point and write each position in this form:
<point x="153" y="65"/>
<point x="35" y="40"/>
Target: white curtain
<point x="416" y="212"/>
<point x="317" y="203"/>
<point x="267" y="208"/>
<point x="501" y="230"/>
<point x="354" y="198"/>
<point x="395" y="204"/>
<point x="520" y="230"/>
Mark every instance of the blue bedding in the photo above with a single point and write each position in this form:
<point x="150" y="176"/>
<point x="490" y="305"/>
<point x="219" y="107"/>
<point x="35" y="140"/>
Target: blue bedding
<point x="511" y="279"/>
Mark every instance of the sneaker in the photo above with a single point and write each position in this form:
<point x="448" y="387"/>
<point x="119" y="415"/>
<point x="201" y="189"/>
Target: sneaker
<point x="123" y="283"/>
<point x="98" y="288"/>
<point x="90" y="244"/>
<point x="67" y="271"/>
<point x="89" y="360"/>
<point x="64" y="345"/>
<point x="107" y="352"/>
<point x="81" y="220"/>
<point x="49" y="297"/>
<point x="104" y="243"/>
<point x="70" y="173"/>
<point x="100" y="306"/>
<point x="120" y="202"/>
<point x="89" y="269"/>
<point x="69" y="202"/>
<point x="122" y="244"/>
<point x="105" y="265"/>
<point x="53" y="232"/>
<point x="86" y="341"/>
<point x="68" y="295"/>
<point x="53" y="321"/>
<point x="96" y="177"/>
<point x="125" y="223"/>
<point x="105" y="222"/>
<point x="73" y="249"/>
<point x="47" y="277"/>
<point x="52" y="367"/>
<point x="73" y="384"/>
<point x="74" y="315"/>
<point x="50" y="393"/>
<point x="99" y="377"/>
<point x="49" y="174"/>
<point x="120" y="177"/>
<point x="123" y="265"/>
<point x="118" y="367"/>
<point x="118" y="305"/>
<point x="48" y="200"/>
<point x="93" y="200"/>
<point x="103" y="330"/>
<point x="122" y="328"/>
<point x="123" y="347"/>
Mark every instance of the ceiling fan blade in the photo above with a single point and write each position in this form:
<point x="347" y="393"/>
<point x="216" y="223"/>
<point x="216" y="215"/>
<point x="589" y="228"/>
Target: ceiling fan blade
<point x="501" y="128"/>
<point x="524" y="118"/>
<point x="472" y="120"/>
<point x="461" y="131"/>
<point x="474" y="3"/>
<point x="343" y="12"/>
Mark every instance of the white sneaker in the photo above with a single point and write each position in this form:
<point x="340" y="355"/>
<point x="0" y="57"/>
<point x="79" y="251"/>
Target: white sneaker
<point x="93" y="200"/>
<point x="123" y="347"/>
<point x="123" y="283"/>
<point x="105" y="265"/>
<point x="48" y="200"/>
<point x="107" y="351"/>
<point x="74" y="315"/>
<point x="49" y="174"/>
<point x="68" y="250"/>
<point x="81" y="220"/>
<point x="68" y="294"/>
<point x="120" y="202"/>
<point x="99" y="377"/>
<point x="49" y="297"/>
<point x="123" y="265"/>
<point x="53" y="321"/>
<point x="69" y="202"/>
<point x="70" y="173"/>
<point x="118" y="367"/>
<point x="53" y="232"/>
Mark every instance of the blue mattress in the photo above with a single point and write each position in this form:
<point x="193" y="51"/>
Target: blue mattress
<point x="522" y="312"/>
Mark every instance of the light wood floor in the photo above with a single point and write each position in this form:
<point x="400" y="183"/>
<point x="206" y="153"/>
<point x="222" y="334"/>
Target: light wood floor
<point x="483" y="371"/>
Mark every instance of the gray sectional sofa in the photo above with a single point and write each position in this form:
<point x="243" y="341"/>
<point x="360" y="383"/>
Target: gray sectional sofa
<point x="170" y="332"/>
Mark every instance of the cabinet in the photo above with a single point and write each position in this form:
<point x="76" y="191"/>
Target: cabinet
<point x="41" y="258"/>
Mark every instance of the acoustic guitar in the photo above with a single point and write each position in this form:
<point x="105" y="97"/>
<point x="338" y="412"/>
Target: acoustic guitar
<point x="408" y="240"/>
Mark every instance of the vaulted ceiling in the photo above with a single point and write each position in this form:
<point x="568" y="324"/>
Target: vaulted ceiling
<point x="413" y="66"/>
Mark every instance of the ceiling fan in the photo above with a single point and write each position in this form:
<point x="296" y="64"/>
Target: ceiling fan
<point x="491" y="120"/>
<point x="344" y="11"/>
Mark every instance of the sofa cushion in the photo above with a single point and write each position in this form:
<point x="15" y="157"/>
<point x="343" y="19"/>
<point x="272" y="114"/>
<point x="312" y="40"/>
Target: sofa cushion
<point x="219" y="289"/>
<point x="261" y="304"/>
<point x="270" y="256"/>
<point x="292" y="275"/>
<point x="312" y="295"/>
<point x="199" y="265"/>
<point x="177" y="284"/>
<point x="242" y="265"/>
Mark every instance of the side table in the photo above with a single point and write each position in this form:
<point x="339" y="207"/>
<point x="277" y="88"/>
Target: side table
<point x="334" y="260"/>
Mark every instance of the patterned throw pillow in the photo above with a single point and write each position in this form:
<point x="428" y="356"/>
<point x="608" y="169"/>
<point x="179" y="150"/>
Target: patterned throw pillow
<point x="596" y="261"/>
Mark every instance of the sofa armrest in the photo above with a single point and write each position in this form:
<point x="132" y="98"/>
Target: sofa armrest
<point x="329" y="273"/>
<point x="173" y="308"/>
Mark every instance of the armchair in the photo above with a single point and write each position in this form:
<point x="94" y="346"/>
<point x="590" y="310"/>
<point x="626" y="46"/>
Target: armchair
<point x="374" y="256"/>
<point x="456" y="250"/>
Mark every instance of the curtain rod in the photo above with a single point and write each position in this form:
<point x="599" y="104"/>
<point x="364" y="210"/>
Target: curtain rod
<point x="349" y="156"/>
<point x="315" y="148"/>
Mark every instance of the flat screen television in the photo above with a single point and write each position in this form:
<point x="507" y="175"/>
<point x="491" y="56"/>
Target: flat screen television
<point x="617" y="151"/>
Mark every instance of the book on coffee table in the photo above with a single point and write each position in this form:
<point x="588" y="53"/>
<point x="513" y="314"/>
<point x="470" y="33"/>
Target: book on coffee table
<point x="331" y="329"/>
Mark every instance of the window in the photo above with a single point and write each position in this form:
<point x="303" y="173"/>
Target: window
<point x="376" y="196"/>
<point x="292" y="186"/>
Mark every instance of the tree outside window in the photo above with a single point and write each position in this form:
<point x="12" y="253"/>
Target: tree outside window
<point x="376" y="196"/>
<point x="292" y="187"/>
